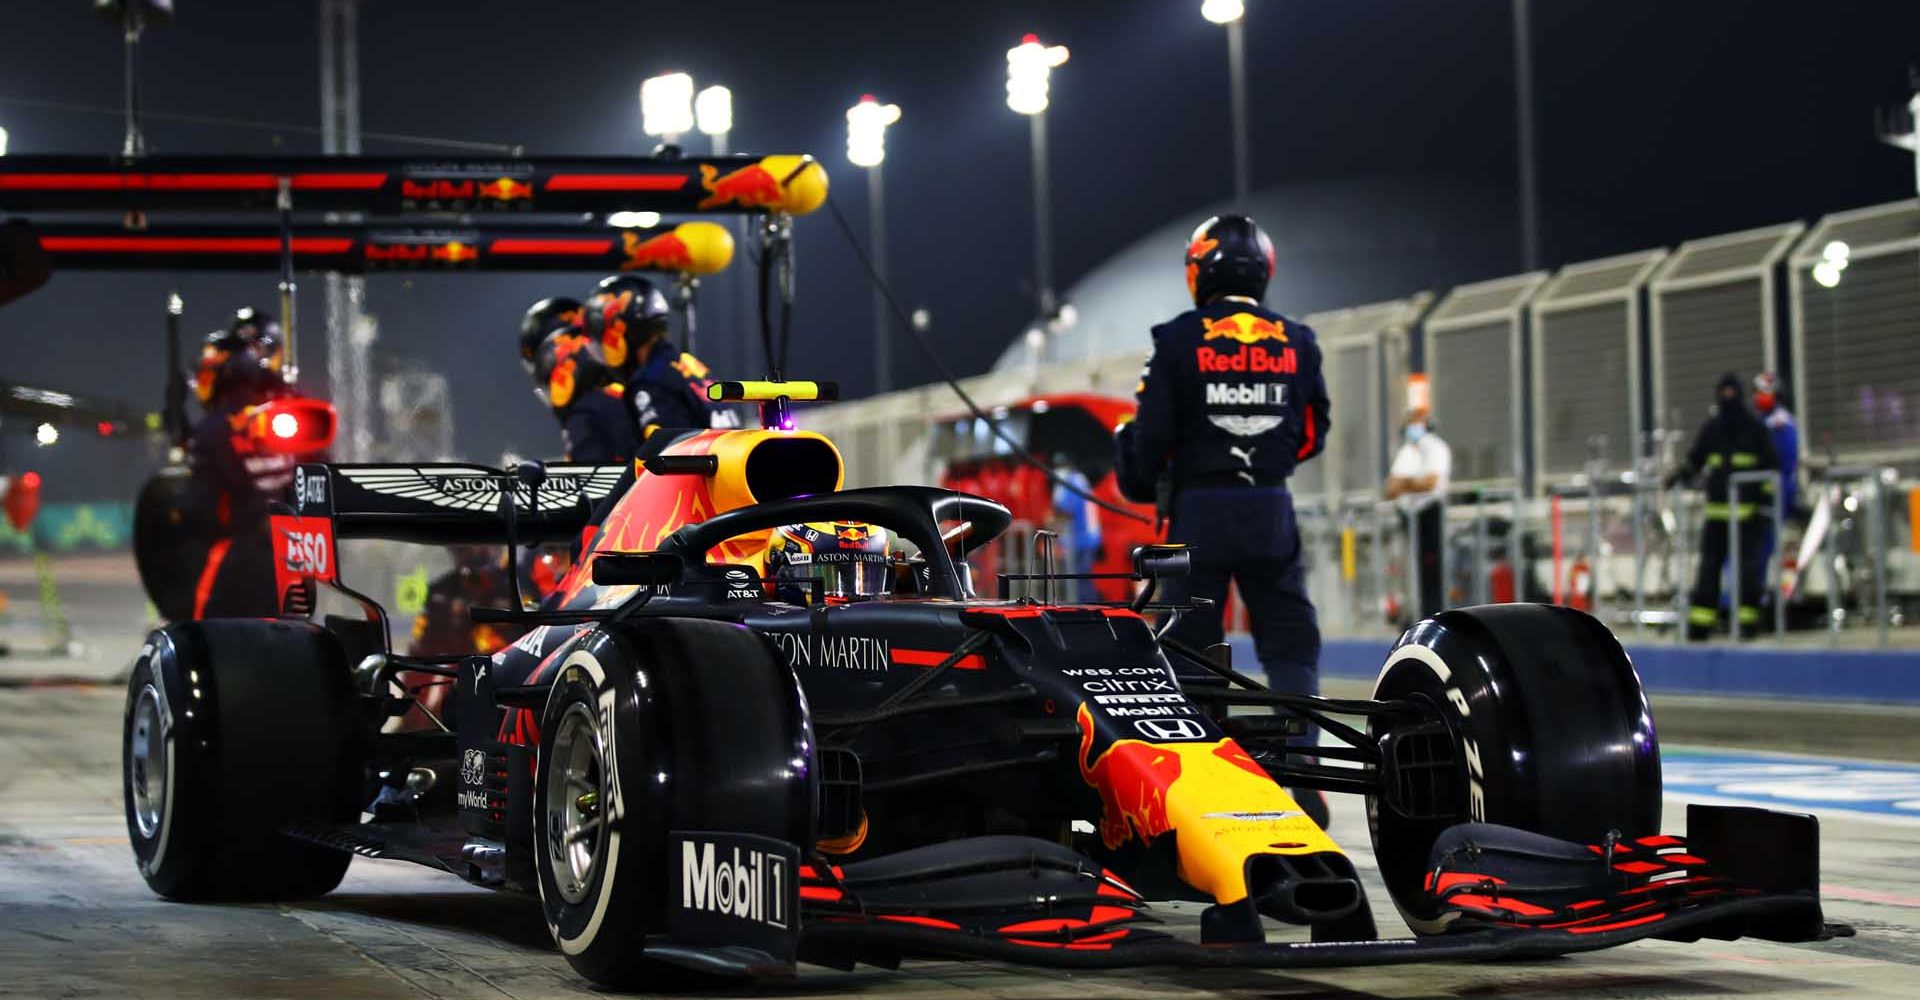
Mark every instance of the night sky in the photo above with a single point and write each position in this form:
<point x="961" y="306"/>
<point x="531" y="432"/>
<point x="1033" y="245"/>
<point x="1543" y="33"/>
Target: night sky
<point x="1659" y="120"/>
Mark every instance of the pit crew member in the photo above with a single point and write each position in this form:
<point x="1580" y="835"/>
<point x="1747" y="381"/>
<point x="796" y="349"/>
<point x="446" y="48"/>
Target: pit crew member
<point x="1231" y="400"/>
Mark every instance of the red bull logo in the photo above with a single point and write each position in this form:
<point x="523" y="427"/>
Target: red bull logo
<point x="455" y="253"/>
<point x="438" y="190"/>
<point x="1249" y="359"/>
<point x="1133" y="779"/>
<point x="665" y="252"/>
<point x="506" y="189"/>
<point x="1245" y="328"/>
<point x="1223" y="803"/>
<point x="751" y="186"/>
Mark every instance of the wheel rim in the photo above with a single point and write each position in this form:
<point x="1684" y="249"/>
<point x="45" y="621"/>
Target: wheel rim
<point x="148" y="762"/>
<point x="572" y="798"/>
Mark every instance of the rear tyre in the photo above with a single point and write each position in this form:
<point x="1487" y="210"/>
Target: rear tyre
<point x="233" y="731"/>
<point x="662" y="725"/>
<point x="1531" y="717"/>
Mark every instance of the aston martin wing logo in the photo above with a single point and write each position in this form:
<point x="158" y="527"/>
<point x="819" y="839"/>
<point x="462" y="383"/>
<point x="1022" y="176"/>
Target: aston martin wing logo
<point x="479" y="489"/>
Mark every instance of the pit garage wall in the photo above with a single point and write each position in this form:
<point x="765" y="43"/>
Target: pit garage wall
<point x="1715" y="307"/>
<point x="1585" y="367"/>
<point x="1475" y="363"/>
<point x="1856" y="345"/>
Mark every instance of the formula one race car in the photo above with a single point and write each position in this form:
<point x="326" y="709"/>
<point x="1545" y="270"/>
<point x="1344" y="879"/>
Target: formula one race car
<point x="702" y="775"/>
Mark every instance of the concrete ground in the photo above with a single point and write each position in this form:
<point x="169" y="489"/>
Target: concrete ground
<point x="76" y="920"/>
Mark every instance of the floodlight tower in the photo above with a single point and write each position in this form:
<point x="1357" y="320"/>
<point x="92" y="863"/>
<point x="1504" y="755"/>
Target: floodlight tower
<point x="1030" y="67"/>
<point x="867" y="124"/>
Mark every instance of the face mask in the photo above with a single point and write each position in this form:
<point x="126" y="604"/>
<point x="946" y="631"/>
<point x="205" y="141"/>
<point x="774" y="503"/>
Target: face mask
<point x="1415" y="432"/>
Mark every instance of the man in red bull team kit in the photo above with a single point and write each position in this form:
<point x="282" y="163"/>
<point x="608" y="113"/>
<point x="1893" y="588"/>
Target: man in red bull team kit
<point x="233" y="475"/>
<point x="664" y="386"/>
<point x="571" y="374"/>
<point x="1231" y="400"/>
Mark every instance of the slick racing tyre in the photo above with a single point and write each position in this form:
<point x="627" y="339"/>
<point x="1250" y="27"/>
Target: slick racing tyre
<point x="654" y="726"/>
<point x="235" y="730"/>
<point x="1529" y="716"/>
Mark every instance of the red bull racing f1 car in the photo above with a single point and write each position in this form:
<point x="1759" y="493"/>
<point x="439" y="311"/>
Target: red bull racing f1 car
<point x="695" y="773"/>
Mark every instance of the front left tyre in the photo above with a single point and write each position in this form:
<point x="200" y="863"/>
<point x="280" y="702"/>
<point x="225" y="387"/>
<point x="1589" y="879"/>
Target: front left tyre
<point x="235" y="731"/>
<point x="658" y="726"/>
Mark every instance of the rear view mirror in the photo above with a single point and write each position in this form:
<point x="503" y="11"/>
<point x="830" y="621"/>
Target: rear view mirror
<point x="23" y="265"/>
<point x="1161" y="562"/>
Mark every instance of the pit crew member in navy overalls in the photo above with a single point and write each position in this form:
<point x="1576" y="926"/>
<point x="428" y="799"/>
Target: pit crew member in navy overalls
<point x="664" y="386"/>
<point x="1231" y="400"/>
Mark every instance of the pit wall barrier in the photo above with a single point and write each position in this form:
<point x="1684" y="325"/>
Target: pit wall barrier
<point x="1748" y="671"/>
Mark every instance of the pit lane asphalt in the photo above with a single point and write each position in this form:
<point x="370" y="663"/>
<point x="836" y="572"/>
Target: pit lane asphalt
<point x="76" y="920"/>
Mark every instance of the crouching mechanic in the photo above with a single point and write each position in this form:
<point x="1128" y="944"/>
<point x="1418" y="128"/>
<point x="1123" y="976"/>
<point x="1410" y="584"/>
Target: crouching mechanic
<point x="663" y="385"/>
<point x="1232" y="399"/>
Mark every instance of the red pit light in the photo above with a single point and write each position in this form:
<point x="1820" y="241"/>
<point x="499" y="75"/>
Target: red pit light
<point x="105" y="427"/>
<point x="293" y="425"/>
<point x="30" y="480"/>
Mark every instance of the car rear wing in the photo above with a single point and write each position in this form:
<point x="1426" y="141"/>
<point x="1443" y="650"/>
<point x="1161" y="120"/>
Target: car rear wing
<point x="448" y="503"/>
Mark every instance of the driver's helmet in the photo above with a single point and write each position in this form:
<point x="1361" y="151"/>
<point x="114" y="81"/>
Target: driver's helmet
<point x="851" y="560"/>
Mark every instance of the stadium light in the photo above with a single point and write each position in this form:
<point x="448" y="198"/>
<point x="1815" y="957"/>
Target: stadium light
<point x="1833" y="261"/>
<point x="867" y="124"/>
<point x="633" y="220"/>
<point x="666" y="105"/>
<point x="1030" y="66"/>
<point x="46" y="434"/>
<point x="3" y="141"/>
<point x="713" y="110"/>
<point x="1222" y="11"/>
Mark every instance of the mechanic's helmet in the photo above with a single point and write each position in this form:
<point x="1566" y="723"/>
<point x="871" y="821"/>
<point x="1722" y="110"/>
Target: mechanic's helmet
<point x="544" y="317"/>
<point x="258" y="329"/>
<point x="850" y="559"/>
<point x="567" y="365"/>
<point x="1730" y="391"/>
<point x="623" y="312"/>
<point x="229" y="365"/>
<point x="1766" y="392"/>
<point x="1228" y="255"/>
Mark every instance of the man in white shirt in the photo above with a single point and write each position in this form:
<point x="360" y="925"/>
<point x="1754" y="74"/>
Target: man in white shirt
<point x="1418" y="480"/>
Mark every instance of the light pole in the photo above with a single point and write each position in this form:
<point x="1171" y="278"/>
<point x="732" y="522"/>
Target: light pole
<point x="1030" y="67"/>
<point x="1232" y="14"/>
<point x="666" y="106"/>
<point x="1529" y="164"/>
<point x="713" y="115"/>
<point x="867" y="124"/>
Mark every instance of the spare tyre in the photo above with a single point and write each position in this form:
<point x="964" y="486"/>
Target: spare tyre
<point x="1525" y="715"/>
